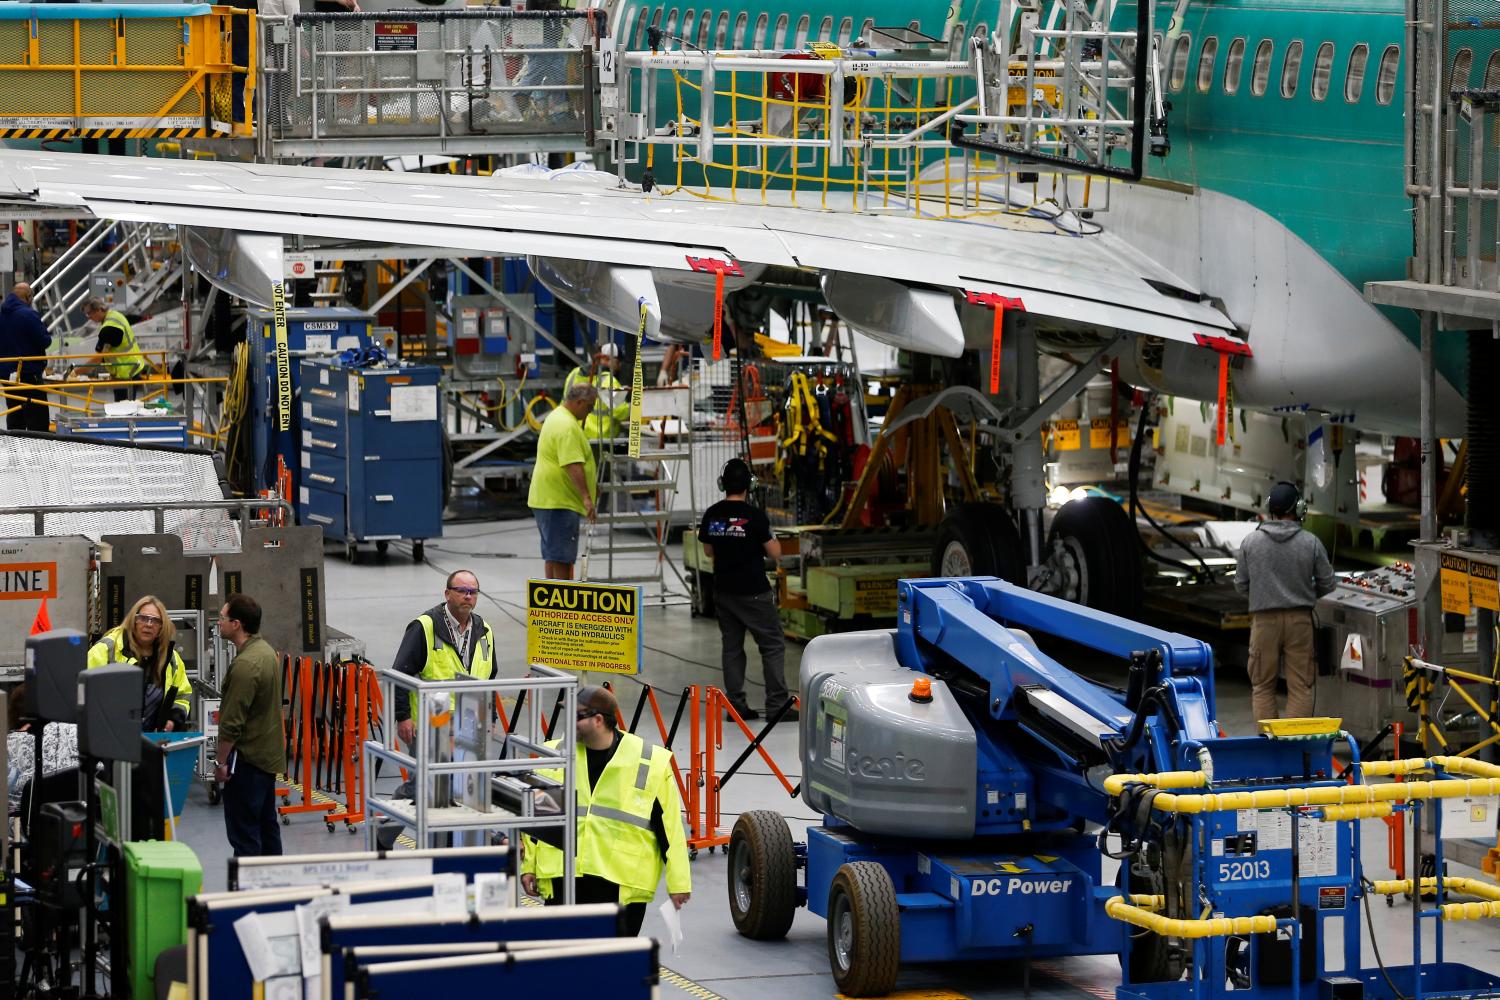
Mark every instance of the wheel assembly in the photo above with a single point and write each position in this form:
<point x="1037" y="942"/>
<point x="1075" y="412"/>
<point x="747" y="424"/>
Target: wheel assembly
<point x="864" y="930"/>
<point x="979" y="539"/>
<point x="1093" y="557"/>
<point x="762" y="876"/>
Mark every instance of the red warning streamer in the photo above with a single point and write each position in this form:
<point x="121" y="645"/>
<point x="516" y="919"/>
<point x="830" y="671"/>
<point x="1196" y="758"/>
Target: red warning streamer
<point x="718" y="268"/>
<point x="999" y="303"/>
<point x="1225" y="348"/>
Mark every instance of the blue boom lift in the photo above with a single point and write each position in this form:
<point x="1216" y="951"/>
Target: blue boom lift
<point x="971" y="787"/>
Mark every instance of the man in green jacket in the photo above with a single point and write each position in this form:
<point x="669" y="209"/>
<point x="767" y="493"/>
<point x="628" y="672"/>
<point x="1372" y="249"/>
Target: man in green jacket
<point x="252" y="744"/>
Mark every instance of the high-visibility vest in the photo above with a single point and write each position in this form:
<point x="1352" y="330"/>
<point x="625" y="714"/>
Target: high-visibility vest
<point x="443" y="662"/>
<point x="611" y="407"/>
<point x="615" y="840"/>
<point x="110" y="649"/>
<point x="126" y="361"/>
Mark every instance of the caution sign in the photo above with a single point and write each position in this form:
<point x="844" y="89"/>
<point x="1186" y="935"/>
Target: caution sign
<point x="283" y="359"/>
<point x="1484" y="585"/>
<point x="1453" y="580"/>
<point x="638" y="387"/>
<point x="395" y="36"/>
<point x="583" y="626"/>
<point x="1099" y="436"/>
<point x="1066" y="436"/>
<point x="875" y="597"/>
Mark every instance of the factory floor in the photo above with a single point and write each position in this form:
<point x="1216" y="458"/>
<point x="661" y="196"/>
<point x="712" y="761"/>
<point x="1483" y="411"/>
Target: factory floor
<point x="374" y="602"/>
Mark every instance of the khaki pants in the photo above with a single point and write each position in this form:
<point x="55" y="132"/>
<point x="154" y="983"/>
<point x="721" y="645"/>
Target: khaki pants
<point x="1281" y="641"/>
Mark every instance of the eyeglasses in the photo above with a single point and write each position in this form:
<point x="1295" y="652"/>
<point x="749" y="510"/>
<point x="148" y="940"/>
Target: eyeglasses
<point x="148" y="619"/>
<point x="466" y="591"/>
<point x="587" y="714"/>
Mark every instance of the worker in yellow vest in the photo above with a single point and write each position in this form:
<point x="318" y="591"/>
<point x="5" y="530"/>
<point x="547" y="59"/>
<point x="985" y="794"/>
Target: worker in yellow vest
<point x="612" y="406"/>
<point x="442" y="643"/>
<point x="146" y="638"/>
<point x="629" y="820"/>
<point x="117" y="349"/>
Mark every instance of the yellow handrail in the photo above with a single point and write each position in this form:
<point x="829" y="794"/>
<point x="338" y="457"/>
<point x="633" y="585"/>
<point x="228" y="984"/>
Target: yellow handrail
<point x="1487" y="891"/>
<point x="1117" y="908"/>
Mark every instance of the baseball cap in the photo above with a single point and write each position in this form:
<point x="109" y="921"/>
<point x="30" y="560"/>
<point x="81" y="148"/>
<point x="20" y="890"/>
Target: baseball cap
<point x="1283" y="498"/>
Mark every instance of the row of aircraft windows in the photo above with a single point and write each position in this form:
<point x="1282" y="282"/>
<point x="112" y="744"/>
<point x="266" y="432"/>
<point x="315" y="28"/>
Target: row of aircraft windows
<point x="1291" y="68"/>
<point x="717" y="34"/>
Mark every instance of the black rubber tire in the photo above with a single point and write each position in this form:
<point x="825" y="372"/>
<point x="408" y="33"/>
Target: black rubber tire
<point x="418" y="551"/>
<point x="862" y="903"/>
<point x="1111" y="553"/>
<point x="761" y="844"/>
<point x="987" y="534"/>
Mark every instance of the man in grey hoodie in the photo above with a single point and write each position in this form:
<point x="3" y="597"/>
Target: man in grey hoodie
<point x="1284" y="570"/>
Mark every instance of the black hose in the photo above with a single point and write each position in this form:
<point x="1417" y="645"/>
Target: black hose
<point x="1135" y="507"/>
<point x="1154" y="696"/>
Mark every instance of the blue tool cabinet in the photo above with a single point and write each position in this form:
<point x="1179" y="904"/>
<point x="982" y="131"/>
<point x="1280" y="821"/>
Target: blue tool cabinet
<point x="371" y="454"/>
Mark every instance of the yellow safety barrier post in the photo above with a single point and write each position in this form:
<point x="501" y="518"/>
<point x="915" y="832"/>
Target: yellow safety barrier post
<point x="145" y="71"/>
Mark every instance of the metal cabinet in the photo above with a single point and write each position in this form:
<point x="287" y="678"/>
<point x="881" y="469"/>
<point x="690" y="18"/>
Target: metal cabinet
<point x="371" y="454"/>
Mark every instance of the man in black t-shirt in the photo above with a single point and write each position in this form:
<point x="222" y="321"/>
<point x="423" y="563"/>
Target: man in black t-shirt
<point x="737" y="537"/>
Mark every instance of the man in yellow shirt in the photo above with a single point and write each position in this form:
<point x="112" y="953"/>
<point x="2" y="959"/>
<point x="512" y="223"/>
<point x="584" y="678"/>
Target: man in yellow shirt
<point x="563" y="483"/>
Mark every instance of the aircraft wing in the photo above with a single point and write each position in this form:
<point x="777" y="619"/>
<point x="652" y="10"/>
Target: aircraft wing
<point x="1065" y="276"/>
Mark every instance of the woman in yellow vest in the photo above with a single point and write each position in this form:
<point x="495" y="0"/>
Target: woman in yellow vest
<point x="629" y="820"/>
<point x="117" y="349"/>
<point x="147" y="639"/>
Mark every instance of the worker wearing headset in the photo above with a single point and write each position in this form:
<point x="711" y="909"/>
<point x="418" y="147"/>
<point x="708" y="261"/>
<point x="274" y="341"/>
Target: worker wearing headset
<point x="1284" y="570"/>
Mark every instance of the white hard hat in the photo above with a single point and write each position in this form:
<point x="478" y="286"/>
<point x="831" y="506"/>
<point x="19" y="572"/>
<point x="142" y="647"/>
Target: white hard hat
<point x="607" y="350"/>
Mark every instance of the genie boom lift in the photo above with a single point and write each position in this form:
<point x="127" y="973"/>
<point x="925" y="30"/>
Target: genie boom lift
<point x="971" y="787"/>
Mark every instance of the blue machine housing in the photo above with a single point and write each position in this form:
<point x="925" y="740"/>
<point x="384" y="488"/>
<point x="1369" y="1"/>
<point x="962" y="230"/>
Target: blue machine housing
<point x="1029" y="881"/>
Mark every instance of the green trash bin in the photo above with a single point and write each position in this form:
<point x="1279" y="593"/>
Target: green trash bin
<point x="160" y="875"/>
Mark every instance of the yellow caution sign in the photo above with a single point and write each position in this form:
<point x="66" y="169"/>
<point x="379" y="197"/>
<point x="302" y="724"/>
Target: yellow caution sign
<point x="637" y="387"/>
<point x="1453" y="580"/>
<point x="1099" y="436"/>
<point x="1066" y="436"/>
<point x="1484" y="585"/>
<point x="583" y="626"/>
<point x="283" y="359"/>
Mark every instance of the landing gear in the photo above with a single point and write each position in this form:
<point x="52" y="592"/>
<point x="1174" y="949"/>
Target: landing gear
<point x="979" y="539"/>
<point x="1093" y="557"/>
<point x="864" y="930"/>
<point x="762" y="876"/>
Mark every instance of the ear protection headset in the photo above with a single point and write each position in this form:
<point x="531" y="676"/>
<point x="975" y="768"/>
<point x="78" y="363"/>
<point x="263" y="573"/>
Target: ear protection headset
<point x="736" y="473"/>
<point x="1299" y="504"/>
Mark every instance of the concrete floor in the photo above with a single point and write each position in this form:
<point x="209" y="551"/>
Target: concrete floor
<point x="374" y="603"/>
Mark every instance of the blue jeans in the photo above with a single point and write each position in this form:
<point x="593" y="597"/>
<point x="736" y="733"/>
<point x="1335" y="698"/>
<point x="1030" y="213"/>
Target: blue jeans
<point x="250" y="818"/>
<point x="559" y="530"/>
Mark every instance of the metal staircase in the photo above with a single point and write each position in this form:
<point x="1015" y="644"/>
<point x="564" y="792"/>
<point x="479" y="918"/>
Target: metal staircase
<point x="144" y="254"/>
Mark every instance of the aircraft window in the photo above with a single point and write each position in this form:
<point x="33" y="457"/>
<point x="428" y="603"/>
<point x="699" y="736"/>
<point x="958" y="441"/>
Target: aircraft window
<point x="1462" y="63"/>
<point x="846" y="30"/>
<point x="1354" y="79"/>
<point x="688" y="21"/>
<point x="1492" y="71"/>
<point x="760" y="30"/>
<point x="778" y="40"/>
<point x="801" y="39"/>
<point x="705" y="28"/>
<point x="1291" y="69"/>
<point x="1206" y="64"/>
<point x="864" y="30"/>
<point x="1261" y="72"/>
<point x="741" y="24"/>
<point x="669" y="26"/>
<point x="825" y="30"/>
<point x="1233" y="64"/>
<point x="1180" y="50"/>
<point x="656" y="17"/>
<point x="1385" y="80"/>
<point x="721" y="33"/>
<point x="1322" y="71"/>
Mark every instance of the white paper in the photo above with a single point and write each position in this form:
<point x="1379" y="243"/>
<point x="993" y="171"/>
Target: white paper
<point x="673" y="921"/>
<point x="308" y="915"/>
<point x="414" y="402"/>
<point x="1317" y="848"/>
<point x="318" y="341"/>
<point x="1353" y="657"/>
<point x="491" y="894"/>
<point x="124" y="408"/>
<point x="270" y="944"/>
<point x="1469" y="818"/>
<point x="450" y="895"/>
<point x="353" y="393"/>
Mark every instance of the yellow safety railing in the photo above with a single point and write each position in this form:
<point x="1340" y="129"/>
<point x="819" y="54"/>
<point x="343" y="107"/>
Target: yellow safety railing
<point x="1423" y="680"/>
<point x="877" y="143"/>
<point x="77" y="395"/>
<point x="1486" y="891"/>
<point x="70" y="71"/>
